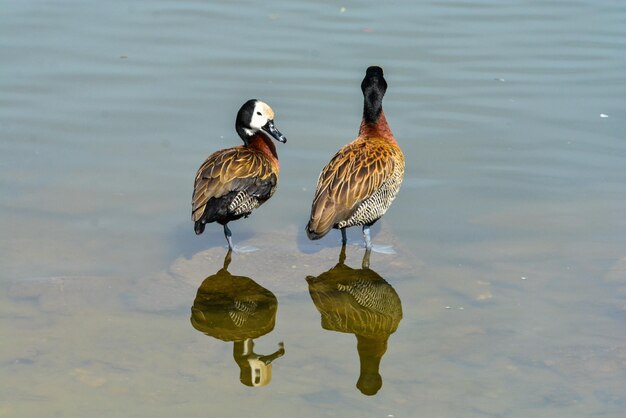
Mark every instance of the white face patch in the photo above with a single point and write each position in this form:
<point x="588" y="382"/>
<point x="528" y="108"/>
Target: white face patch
<point x="261" y="114"/>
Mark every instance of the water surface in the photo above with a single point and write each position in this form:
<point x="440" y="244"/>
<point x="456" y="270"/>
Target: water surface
<point x="510" y="264"/>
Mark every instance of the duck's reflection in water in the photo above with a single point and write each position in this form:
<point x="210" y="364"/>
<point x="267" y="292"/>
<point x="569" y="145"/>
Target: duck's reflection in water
<point x="237" y="309"/>
<point x="360" y="302"/>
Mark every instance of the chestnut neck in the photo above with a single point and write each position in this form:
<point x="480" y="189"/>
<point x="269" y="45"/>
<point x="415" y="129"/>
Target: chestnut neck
<point x="262" y="143"/>
<point x="378" y="128"/>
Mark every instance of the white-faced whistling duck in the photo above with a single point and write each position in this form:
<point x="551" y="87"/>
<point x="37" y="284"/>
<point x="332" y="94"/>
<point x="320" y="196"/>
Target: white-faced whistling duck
<point x="232" y="182"/>
<point x="359" y="183"/>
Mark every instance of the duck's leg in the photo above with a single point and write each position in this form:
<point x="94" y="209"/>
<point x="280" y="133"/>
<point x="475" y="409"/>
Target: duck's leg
<point x="228" y="236"/>
<point x="237" y="249"/>
<point x="228" y="258"/>
<point x="344" y="239"/>
<point x="365" y="264"/>
<point x="366" y="237"/>
<point x="342" y="254"/>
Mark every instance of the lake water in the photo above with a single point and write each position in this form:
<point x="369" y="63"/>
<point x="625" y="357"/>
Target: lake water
<point x="507" y="293"/>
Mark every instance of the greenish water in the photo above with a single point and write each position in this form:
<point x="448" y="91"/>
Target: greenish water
<point x="509" y="229"/>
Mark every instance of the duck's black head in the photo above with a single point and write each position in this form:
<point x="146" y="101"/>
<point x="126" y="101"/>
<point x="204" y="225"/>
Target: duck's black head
<point x="373" y="87"/>
<point x="256" y="116"/>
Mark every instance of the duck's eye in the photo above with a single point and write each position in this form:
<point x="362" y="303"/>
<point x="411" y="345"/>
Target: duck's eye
<point x="258" y="113"/>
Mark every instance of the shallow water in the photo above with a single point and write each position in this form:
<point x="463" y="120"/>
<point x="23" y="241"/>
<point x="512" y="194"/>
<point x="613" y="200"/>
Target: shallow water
<point x="509" y="230"/>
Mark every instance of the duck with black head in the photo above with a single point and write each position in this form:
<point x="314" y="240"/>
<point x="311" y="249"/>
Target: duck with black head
<point x="361" y="181"/>
<point x="232" y="182"/>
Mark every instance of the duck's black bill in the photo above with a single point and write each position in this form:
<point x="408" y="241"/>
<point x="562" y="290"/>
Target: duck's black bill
<point x="275" y="133"/>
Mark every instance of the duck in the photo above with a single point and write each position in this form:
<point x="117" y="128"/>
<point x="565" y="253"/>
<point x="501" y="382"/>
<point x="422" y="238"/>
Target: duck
<point x="359" y="302"/>
<point x="239" y="310"/>
<point x="360" y="182"/>
<point x="232" y="182"/>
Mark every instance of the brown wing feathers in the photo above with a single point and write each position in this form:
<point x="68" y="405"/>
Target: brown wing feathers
<point x="354" y="174"/>
<point x="226" y="173"/>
